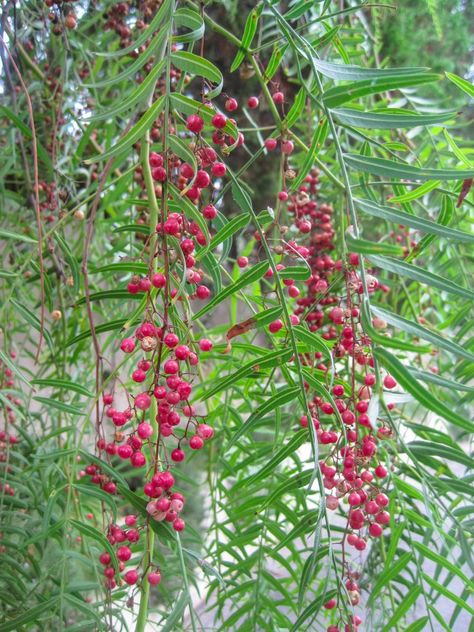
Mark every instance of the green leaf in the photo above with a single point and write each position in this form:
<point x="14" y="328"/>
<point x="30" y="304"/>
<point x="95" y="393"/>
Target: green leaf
<point x="63" y="385"/>
<point x="175" y="615"/>
<point x="274" y="62"/>
<point x="442" y="590"/>
<point x="312" y="610"/>
<point x="30" y="616"/>
<point x="140" y="93"/>
<point x="384" y="120"/>
<point x="7" y="234"/>
<point x="128" y="266"/>
<point x="312" y="340"/>
<point x="418" y="625"/>
<point x="296" y="109"/>
<point x="344" y="72"/>
<point x="132" y="69"/>
<point x="14" y="368"/>
<point x="426" y="376"/>
<point x="104" y="295"/>
<point x="196" y="65"/>
<point x="111" y="325"/>
<point x="425" y="398"/>
<point x="388" y="574"/>
<point x="33" y="320"/>
<point x="317" y="143"/>
<point x="192" y="20"/>
<point x="423" y="225"/>
<point x="403" y="607"/>
<point x="237" y="223"/>
<point x="465" y="86"/>
<point x="251" y="276"/>
<point x="247" y="38"/>
<point x="297" y="273"/>
<point x="350" y="92"/>
<point x="418" y="274"/>
<point x="416" y="193"/>
<point x="71" y="260"/>
<point x="269" y="360"/>
<point x="93" y="533"/>
<point x="133" y="228"/>
<point x="133" y="135"/>
<point x="151" y="28"/>
<point x="399" y="170"/>
<point x="290" y="448"/>
<point x="65" y="408"/>
<point x="428" y="448"/>
<point x="365" y="247"/>
<point x="414" y="329"/>
<point x="284" y="396"/>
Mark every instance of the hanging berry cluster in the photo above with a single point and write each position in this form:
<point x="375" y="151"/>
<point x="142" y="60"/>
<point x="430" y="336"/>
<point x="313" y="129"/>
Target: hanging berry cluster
<point x="8" y="439"/>
<point x="351" y="467"/>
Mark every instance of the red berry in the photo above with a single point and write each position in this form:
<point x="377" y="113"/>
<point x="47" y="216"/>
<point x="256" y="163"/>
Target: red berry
<point x="270" y="144"/>
<point x="124" y="553"/>
<point x="131" y="577"/>
<point x="154" y="578"/>
<point x="196" y="443"/>
<point x="177" y="455"/>
<point x="252" y="103"/>
<point x="178" y="524"/>
<point x="194" y="123"/>
<point x="218" y="169"/>
<point x="275" y="326"/>
<point x="278" y="97"/>
<point x="219" y="121"/>
<point x="231" y="104"/>
<point x="205" y="344"/>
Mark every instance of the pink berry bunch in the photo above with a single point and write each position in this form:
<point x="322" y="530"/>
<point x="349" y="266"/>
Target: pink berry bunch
<point x="351" y="469"/>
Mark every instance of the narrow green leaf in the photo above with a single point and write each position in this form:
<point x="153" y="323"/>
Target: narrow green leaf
<point x="317" y="143"/>
<point x="401" y="610"/>
<point x="139" y="94"/>
<point x="385" y="120"/>
<point x="247" y="38"/>
<point x="133" y="135"/>
<point x="429" y="448"/>
<point x="425" y="398"/>
<point x="365" y="247"/>
<point x="32" y="320"/>
<point x="463" y="84"/>
<point x="7" y="234"/>
<point x="399" y="170"/>
<point x="423" y="225"/>
<point x="269" y="360"/>
<point x="283" y="397"/>
<point x="350" y="92"/>
<point x="65" y="408"/>
<point x="290" y="448"/>
<point x="14" y="368"/>
<point x="414" y="329"/>
<point x="191" y="20"/>
<point x="93" y="533"/>
<point x="30" y="616"/>
<point x="388" y="574"/>
<point x="196" y="65"/>
<point x="418" y="274"/>
<point x="416" y="193"/>
<point x="251" y="276"/>
<point x="237" y="223"/>
<point x="63" y="385"/>
<point x="442" y="590"/>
